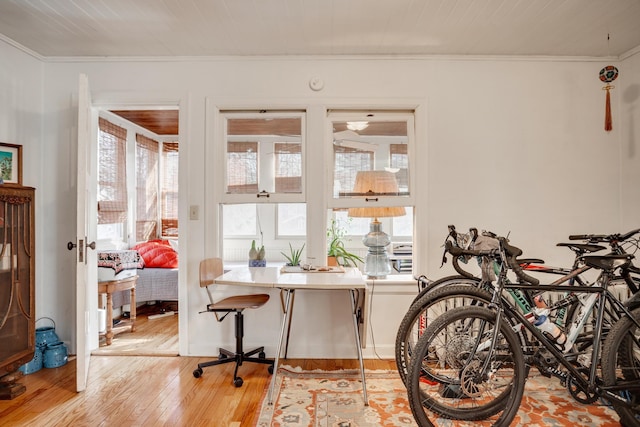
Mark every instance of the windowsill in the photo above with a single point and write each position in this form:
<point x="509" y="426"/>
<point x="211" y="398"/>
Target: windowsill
<point x="399" y="278"/>
<point x="229" y="265"/>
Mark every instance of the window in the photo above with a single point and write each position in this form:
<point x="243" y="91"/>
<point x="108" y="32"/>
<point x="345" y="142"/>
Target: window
<point x="347" y="162"/>
<point x="156" y="188"/>
<point x="242" y="167"/>
<point x="263" y="199"/>
<point x="151" y="174"/>
<point x="240" y="220"/>
<point x="112" y="182"/>
<point x="264" y="156"/>
<point x="400" y="227"/>
<point x="147" y="156"/>
<point x="169" y="189"/>
<point x="263" y="195"/>
<point x="399" y="162"/>
<point x="371" y="182"/>
<point x="288" y="167"/>
<point x="364" y="142"/>
<point x="292" y="219"/>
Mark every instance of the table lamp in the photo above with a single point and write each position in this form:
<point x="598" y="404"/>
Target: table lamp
<point x="373" y="184"/>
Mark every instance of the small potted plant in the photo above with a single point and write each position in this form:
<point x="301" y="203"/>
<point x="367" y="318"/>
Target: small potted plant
<point x="256" y="256"/>
<point x="337" y="254"/>
<point x="294" y="256"/>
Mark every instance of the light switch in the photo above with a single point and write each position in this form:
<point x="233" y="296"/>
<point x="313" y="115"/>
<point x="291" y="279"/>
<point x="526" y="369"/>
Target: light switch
<point x="194" y="211"/>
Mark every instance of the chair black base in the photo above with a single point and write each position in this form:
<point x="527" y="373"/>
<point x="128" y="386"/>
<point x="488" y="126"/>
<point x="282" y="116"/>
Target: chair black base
<point x="238" y="357"/>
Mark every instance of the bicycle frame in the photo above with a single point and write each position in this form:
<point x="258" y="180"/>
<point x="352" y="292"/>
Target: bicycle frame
<point x="504" y="307"/>
<point x="602" y="294"/>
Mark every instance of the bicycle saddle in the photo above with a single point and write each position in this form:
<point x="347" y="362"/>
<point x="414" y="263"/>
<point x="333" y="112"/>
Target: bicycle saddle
<point x="607" y="262"/>
<point x="582" y="247"/>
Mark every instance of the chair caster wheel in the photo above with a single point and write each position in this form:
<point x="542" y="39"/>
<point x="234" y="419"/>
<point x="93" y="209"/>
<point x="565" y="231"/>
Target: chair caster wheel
<point x="270" y="369"/>
<point x="197" y="373"/>
<point x="262" y="355"/>
<point x="238" y="382"/>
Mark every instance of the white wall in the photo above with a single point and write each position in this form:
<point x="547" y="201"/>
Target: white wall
<point x="627" y="93"/>
<point x="508" y="145"/>
<point x="21" y="117"/>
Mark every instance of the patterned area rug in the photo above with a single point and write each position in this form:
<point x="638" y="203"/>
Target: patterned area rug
<point x="334" y="398"/>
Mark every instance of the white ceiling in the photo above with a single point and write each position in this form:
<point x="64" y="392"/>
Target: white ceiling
<point x="186" y="28"/>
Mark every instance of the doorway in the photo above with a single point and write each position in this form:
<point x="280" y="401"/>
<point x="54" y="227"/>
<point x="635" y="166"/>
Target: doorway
<point x="148" y="169"/>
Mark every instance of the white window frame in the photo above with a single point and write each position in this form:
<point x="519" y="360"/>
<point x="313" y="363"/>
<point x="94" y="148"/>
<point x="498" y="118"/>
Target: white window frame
<point x="263" y="157"/>
<point x="362" y="115"/>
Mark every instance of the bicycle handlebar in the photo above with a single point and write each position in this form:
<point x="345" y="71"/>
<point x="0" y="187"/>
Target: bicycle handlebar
<point x="511" y="252"/>
<point x="605" y="237"/>
<point x="457" y="251"/>
<point x="460" y="270"/>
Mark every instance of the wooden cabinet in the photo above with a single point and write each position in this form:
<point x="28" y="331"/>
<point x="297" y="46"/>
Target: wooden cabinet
<point x="17" y="284"/>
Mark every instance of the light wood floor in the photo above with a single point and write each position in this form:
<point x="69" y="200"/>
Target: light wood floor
<point x="150" y="391"/>
<point x="155" y="337"/>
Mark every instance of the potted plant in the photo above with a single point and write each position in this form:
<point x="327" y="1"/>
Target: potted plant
<point x="337" y="254"/>
<point x="256" y="256"/>
<point x="294" y="256"/>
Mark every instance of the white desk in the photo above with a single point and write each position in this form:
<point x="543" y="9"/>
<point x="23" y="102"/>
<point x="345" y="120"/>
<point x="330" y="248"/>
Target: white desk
<point x="271" y="277"/>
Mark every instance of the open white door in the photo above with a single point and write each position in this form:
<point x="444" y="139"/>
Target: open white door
<point x="86" y="211"/>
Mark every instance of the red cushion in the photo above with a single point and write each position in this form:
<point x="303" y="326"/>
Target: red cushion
<point x="157" y="254"/>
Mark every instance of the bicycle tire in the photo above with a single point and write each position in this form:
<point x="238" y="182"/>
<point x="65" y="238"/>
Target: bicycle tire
<point x="414" y="321"/>
<point x="444" y="349"/>
<point x="407" y="331"/>
<point x="621" y="364"/>
<point x="440" y="282"/>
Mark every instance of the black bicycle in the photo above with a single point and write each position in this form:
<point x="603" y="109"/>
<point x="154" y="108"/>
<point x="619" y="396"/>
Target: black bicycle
<point x="426" y="306"/>
<point x="472" y="348"/>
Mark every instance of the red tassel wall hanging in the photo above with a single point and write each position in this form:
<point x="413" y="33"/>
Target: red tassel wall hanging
<point x="607" y="75"/>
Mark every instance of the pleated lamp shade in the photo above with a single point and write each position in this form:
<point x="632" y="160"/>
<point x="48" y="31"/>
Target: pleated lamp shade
<point x="376" y="183"/>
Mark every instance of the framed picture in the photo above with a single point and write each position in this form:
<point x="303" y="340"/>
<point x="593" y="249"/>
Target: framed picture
<point x="10" y="164"/>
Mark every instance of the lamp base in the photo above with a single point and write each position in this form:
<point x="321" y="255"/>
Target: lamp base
<point x="376" y="263"/>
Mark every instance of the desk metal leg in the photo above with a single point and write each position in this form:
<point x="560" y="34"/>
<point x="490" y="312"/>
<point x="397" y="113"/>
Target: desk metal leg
<point x="293" y="300"/>
<point x="354" y="311"/>
<point x="285" y="318"/>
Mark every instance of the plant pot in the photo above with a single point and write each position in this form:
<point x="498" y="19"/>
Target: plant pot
<point x="257" y="263"/>
<point x="332" y="261"/>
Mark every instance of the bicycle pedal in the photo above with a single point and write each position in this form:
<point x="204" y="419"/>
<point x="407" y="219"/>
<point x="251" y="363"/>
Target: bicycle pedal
<point x="544" y="372"/>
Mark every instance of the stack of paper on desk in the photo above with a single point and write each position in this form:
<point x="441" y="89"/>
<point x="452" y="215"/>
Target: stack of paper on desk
<point x="312" y="269"/>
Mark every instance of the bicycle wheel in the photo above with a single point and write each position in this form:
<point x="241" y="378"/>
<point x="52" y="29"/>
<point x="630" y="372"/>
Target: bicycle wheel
<point x="621" y="367"/>
<point x="452" y="293"/>
<point x="442" y="282"/>
<point x="454" y="373"/>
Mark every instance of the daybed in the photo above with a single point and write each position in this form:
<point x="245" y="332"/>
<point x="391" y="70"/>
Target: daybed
<point x="156" y="264"/>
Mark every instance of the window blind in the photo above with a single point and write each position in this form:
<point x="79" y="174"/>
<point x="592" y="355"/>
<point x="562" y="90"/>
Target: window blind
<point x="147" y="156"/>
<point x="288" y="157"/>
<point x="242" y="167"/>
<point x="169" y="189"/>
<point x="112" y="182"/>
